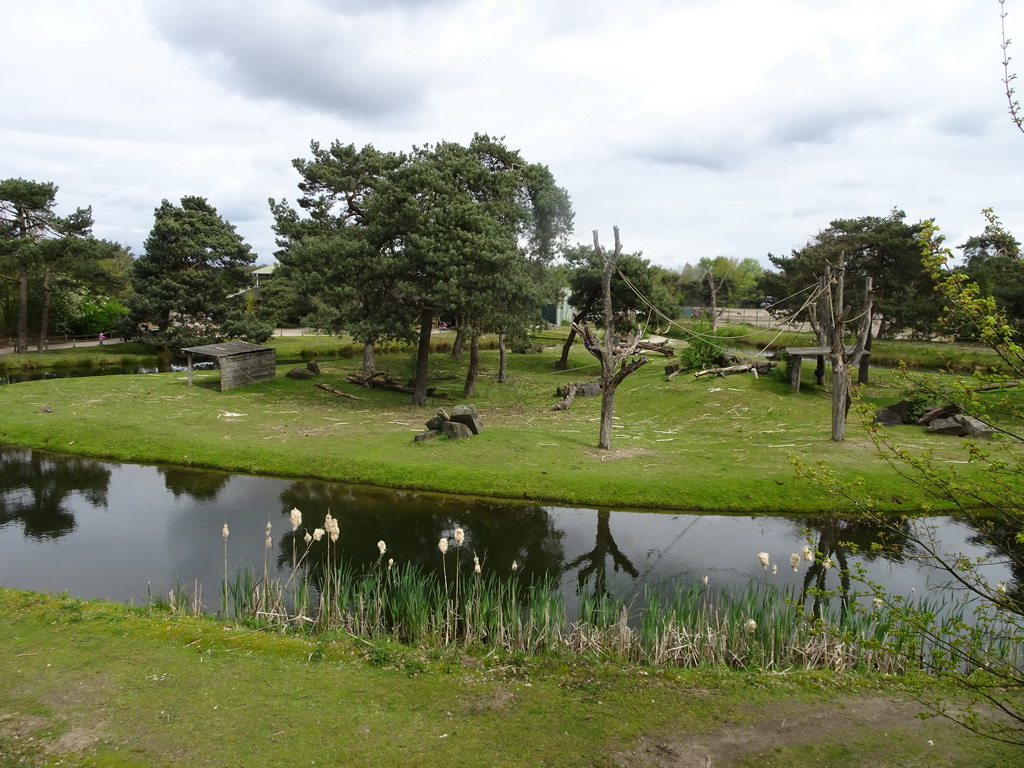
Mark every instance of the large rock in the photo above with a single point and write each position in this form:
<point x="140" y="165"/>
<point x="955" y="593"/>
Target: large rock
<point x="975" y="427"/>
<point x="453" y="430"/>
<point x="428" y="435"/>
<point x="583" y="389"/>
<point x="300" y="373"/>
<point x="943" y="412"/>
<point x="901" y="409"/>
<point x="887" y="417"/>
<point x="313" y="367"/>
<point x="467" y="414"/>
<point x="947" y="426"/>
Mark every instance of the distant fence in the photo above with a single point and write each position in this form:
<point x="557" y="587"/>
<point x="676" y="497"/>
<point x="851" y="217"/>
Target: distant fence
<point x="61" y="340"/>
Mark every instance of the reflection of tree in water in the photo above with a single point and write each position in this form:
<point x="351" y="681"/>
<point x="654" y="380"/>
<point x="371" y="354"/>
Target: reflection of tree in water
<point x="200" y="484"/>
<point x="1001" y="536"/>
<point x="835" y="539"/>
<point x="412" y="523"/>
<point x="596" y="560"/>
<point x="35" y="486"/>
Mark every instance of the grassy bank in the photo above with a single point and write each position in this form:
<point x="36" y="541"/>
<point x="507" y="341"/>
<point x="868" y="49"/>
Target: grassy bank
<point x="711" y="444"/>
<point x="200" y="692"/>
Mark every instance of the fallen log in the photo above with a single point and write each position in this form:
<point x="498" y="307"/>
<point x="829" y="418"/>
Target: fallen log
<point x="663" y="348"/>
<point x="996" y="385"/>
<point x="755" y="368"/>
<point x="334" y="391"/>
<point x="563" y="405"/>
<point x="382" y="380"/>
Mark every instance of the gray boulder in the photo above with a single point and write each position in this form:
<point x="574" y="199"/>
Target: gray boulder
<point x="467" y="414"/>
<point x="428" y="435"/>
<point x="975" y="427"/>
<point x="453" y="430"/>
<point x="947" y="426"/>
<point x="583" y="389"/>
<point x="943" y="412"/>
<point x="300" y="373"/>
<point x="887" y="417"/>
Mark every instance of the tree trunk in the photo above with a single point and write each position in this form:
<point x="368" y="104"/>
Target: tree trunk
<point x="460" y="339"/>
<point x="607" y="409"/>
<point x="502" y="360"/>
<point x="840" y="397"/>
<point x="419" y="393"/>
<point x="22" y="343"/>
<point x="474" y="366"/>
<point x="865" y="359"/>
<point x="44" y="315"/>
<point x="714" y="301"/>
<point x="369" y="358"/>
<point x="563" y="361"/>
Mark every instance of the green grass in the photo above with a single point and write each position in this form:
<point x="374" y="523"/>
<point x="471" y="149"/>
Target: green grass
<point x="709" y="444"/>
<point x="96" y="684"/>
<point x="958" y="356"/>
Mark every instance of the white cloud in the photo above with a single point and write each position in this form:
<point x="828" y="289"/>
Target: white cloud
<point x="699" y="127"/>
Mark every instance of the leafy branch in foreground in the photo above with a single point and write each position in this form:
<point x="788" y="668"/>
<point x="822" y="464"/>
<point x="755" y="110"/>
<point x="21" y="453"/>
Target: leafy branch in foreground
<point x="983" y="654"/>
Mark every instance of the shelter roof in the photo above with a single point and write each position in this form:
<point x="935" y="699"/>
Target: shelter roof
<point x="227" y="349"/>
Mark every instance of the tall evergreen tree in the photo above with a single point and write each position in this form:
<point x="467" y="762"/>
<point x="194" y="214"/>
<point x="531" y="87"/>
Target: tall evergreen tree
<point x="390" y="241"/>
<point x="36" y="242"/>
<point x="194" y="263"/>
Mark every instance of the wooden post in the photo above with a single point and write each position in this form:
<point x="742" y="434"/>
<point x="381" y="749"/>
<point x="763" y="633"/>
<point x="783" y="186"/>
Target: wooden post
<point x="795" y="363"/>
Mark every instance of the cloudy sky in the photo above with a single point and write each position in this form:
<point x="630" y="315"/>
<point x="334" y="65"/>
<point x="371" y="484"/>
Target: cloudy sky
<point x="699" y="127"/>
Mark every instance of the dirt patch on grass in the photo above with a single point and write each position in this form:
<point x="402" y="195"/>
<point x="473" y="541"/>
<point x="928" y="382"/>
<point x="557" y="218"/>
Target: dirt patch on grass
<point x="881" y="730"/>
<point x="620" y="453"/>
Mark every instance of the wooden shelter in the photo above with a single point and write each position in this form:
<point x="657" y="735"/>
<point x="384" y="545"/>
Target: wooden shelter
<point x="241" y="362"/>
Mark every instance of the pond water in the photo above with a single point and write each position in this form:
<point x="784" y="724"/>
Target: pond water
<point x="120" y="531"/>
<point x="18" y="376"/>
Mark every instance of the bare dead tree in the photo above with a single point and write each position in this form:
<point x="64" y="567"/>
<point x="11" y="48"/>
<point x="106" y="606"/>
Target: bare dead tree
<point x="713" y="287"/>
<point x="835" y="316"/>
<point x="618" y="358"/>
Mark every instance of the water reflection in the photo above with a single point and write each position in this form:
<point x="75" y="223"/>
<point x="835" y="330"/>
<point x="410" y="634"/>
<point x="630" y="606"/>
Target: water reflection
<point x="595" y="562"/>
<point x="100" y="529"/>
<point x="35" y="489"/>
<point x="412" y="523"/>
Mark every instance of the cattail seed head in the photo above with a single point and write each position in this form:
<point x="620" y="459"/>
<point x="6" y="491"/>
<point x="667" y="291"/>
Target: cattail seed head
<point x="224" y="531"/>
<point x="705" y="581"/>
<point x="877" y="603"/>
<point x="318" y="533"/>
<point x="443" y="545"/>
<point x="459" y="536"/>
<point x="391" y="562"/>
<point x="1001" y="587"/>
<point x="751" y="626"/>
<point x="268" y="527"/>
<point x="775" y="570"/>
<point x="332" y="527"/>
<point x="307" y="538"/>
<point x="762" y="558"/>
<point x="827" y="563"/>
<point x="296" y="518"/>
<point x="808" y="555"/>
<point x="268" y="542"/>
<point x="794" y="562"/>
<point x="515" y="566"/>
<point x="382" y="547"/>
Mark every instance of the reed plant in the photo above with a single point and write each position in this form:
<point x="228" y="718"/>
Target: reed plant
<point x="758" y="626"/>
